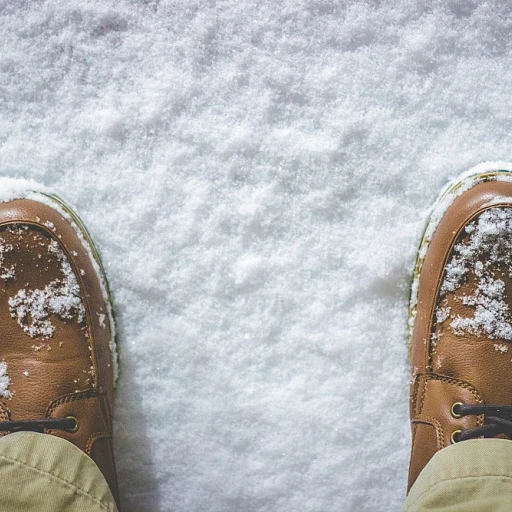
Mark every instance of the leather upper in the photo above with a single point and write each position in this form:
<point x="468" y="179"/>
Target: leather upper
<point x="448" y="365"/>
<point x="56" y="332"/>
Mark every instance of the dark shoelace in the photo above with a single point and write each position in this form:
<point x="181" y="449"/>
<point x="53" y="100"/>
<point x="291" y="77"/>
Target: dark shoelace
<point x="498" y="420"/>
<point x="69" y="423"/>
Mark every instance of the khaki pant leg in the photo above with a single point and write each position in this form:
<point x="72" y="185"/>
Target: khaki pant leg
<point x="43" y="473"/>
<point x="471" y="476"/>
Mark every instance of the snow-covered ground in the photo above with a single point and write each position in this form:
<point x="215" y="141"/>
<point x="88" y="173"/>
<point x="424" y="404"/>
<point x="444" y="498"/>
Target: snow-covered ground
<point x="256" y="175"/>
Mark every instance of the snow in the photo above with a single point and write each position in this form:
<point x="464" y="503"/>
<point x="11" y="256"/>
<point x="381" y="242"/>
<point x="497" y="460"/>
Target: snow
<point x="486" y="254"/>
<point x="442" y="314"/>
<point x="7" y="272"/>
<point x="61" y="297"/>
<point x="501" y="348"/>
<point x="5" y="381"/>
<point x="256" y="176"/>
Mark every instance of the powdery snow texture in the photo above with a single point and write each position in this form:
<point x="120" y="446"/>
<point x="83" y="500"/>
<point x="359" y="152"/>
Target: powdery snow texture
<point x="257" y="176"/>
<point x="487" y="252"/>
<point x="32" y="308"/>
<point x="4" y="381"/>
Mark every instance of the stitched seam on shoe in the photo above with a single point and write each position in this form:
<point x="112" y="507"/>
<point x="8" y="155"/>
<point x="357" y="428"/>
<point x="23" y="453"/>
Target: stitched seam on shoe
<point x="454" y="382"/>
<point x="414" y="429"/>
<point x="41" y="471"/>
<point x="454" y="479"/>
<point x="415" y="391"/>
<point x="83" y="295"/>
<point x="95" y="437"/>
<point x="91" y="393"/>
<point x="422" y="394"/>
<point x="438" y="427"/>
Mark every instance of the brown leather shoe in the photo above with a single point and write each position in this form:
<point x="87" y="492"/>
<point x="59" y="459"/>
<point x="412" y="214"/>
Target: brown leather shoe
<point x="57" y="353"/>
<point x="461" y="318"/>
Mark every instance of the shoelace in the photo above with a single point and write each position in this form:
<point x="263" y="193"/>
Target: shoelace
<point x="68" y="423"/>
<point x="498" y="420"/>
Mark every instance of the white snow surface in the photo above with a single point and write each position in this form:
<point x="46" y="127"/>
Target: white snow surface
<point x="256" y="176"/>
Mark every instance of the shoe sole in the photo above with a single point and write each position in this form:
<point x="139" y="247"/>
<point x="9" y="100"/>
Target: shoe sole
<point x="500" y="171"/>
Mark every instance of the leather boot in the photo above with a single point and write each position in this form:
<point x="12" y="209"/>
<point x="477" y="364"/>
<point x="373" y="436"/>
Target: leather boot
<point x="57" y="353"/>
<point x="461" y="318"/>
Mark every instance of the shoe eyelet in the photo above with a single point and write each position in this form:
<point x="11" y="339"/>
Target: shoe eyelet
<point x="454" y="436"/>
<point x="75" y="428"/>
<point x="452" y="410"/>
